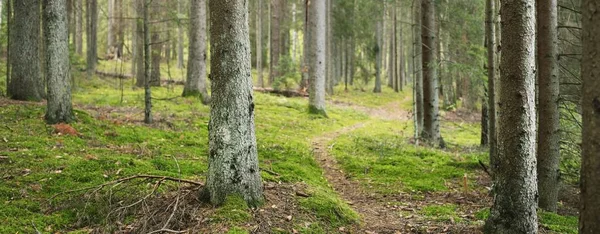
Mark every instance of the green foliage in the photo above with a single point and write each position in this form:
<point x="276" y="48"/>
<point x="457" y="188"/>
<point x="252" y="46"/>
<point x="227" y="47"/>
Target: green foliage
<point x="330" y="209"/>
<point x="446" y="212"/>
<point x="290" y="76"/>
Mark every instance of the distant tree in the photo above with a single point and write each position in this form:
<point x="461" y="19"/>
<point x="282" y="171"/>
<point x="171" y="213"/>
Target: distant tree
<point x="56" y="38"/>
<point x="491" y="73"/>
<point x="259" y="62"/>
<point x="514" y="209"/>
<point x="147" y="66"/>
<point x="26" y="81"/>
<point x="195" y="84"/>
<point x="418" y="68"/>
<point x="317" y="29"/>
<point x="392" y="49"/>
<point x="233" y="159"/>
<point x="590" y="163"/>
<point x="276" y="18"/>
<point x="156" y="44"/>
<point x="378" y="50"/>
<point x="78" y="27"/>
<point x="180" y="35"/>
<point x="140" y="75"/>
<point x="92" y="36"/>
<point x="431" y="123"/>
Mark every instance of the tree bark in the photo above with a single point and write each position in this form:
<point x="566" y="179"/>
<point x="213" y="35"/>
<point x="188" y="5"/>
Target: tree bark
<point x="56" y="37"/>
<point x="26" y="81"/>
<point x="431" y="124"/>
<point x="514" y="209"/>
<point x="147" y="50"/>
<point x="590" y="162"/>
<point x="379" y="52"/>
<point x="110" y="31"/>
<point x="156" y="44"/>
<point x="306" y="49"/>
<point x="180" y="36"/>
<point x="316" y="101"/>
<point x="92" y="36"/>
<point x="259" y="62"/>
<point x="78" y="27"/>
<point x="276" y="11"/>
<point x="548" y="155"/>
<point x="140" y="74"/>
<point x="490" y="33"/>
<point x="196" y="70"/>
<point x="418" y="68"/>
<point x="233" y="159"/>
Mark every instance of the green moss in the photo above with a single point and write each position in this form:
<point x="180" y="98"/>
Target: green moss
<point x="237" y="230"/>
<point x="330" y="209"/>
<point x="234" y="210"/>
<point x="445" y="212"/>
<point x="558" y="223"/>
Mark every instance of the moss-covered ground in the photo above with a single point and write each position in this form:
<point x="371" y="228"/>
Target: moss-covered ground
<point x="37" y="165"/>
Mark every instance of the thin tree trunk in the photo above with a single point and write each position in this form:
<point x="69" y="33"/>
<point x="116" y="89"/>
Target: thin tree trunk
<point x="140" y="74"/>
<point x="418" y="68"/>
<point x="379" y="52"/>
<point x="515" y="203"/>
<point x="56" y="36"/>
<point x="590" y="157"/>
<point x="92" y="31"/>
<point x="276" y="11"/>
<point x="111" y="35"/>
<point x="548" y="154"/>
<point x="26" y="81"/>
<point x="78" y="27"/>
<point x="196" y="70"/>
<point x="8" y="45"/>
<point x="491" y="73"/>
<point x="180" y="36"/>
<point x="146" y="42"/>
<point x="401" y="68"/>
<point x="318" y="25"/>
<point x="233" y="158"/>
<point x="306" y="49"/>
<point x="259" y="63"/>
<point x="329" y="59"/>
<point x="156" y="44"/>
<point x="431" y="124"/>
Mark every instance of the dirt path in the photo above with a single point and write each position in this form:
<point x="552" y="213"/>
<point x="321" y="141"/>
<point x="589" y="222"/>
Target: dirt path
<point x="396" y="213"/>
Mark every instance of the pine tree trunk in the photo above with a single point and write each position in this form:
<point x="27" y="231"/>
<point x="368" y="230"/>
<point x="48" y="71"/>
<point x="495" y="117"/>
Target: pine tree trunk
<point x="180" y="36"/>
<point x="156" y="44"/>
<point x="316" y="101"/>
<point x="196" y="69"/>
<point x="491" y="73"/>
<point x="140" y="74"/>
<point x="92" y="36"/>
<point x="259" y="63"/>
<point x="548" y="154"/>
<point x="306" y="49"/>
<point x="56" y="37"/>
<point x="276" y="11"/>
<point x="418" y="68"/>
<point x="379" y="53"/>
<point x="79" y="27"/>
<point x="590" y="158"/>
<point x="26" y="81"/>
<point x="431" y="124"/>
<point x="329" y="59"/>
<point x="147" y="54"/>
<point x="111" y="35"/>
<point x="515" y="203"/>
<point x="233" y="159"/>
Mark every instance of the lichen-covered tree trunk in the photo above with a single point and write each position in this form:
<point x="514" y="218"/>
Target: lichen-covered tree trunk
<point x="140" y="75"/>
<point x="431" y="124"/>
<point x="548" y="154"/>
<point x="233" y="159"/>
<point x="316" y="101"/>
<point x="490" y="34"/>
<point x="259" y="61"/>
<point x="418" y="68"/>
<point x="590" y="158"/>
<point x="276" y="11"/>
<point x="195" y="84"/>
<point x="92" y="36"/>
<point x="515" y="200"/>
<point x="26" y="75"/>
<point x="56" y="37"/>
<point x="78" y="27"/>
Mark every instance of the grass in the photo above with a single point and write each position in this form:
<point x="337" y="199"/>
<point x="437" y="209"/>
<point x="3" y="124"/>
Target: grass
<point x="445" y="212"/>
<point x="369" y="99"/>
<point x="550" y="221"/>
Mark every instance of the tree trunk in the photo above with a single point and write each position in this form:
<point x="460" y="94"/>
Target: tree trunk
<point x="196" y="70"/>
<point x="78" y="27"/>
<point x="276" y="10"/>
<point x="548" y="155"/>
<point x="259" y="63"/>
<point x="379" y="52"/>
<point x="140" y="74"/>
<point x="431" y="124"/>
<point x="329" y="59"/>
<point x="156" y="44"/>
<point x="418" y="68"/>
<point x="56" y="37"/>
<point x="233" y="159"/>
<point x="590" y="162"/>
<point x="146" y="43"/>
<point x="514" y="209"/>
<point x="92" y="36"/>
<point x="306" y="49"/>
<point x="491" y="73"/>
<point x="316" y="101"/>
<point x="485" y="128"/>
<point x="401" y="66"/>
<point x="180" y="35"/>
<point x="111" y="29"/>
<point x="26" y="81"/>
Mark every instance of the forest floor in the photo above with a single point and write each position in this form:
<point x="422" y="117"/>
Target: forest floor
<point x="357" y="171"/>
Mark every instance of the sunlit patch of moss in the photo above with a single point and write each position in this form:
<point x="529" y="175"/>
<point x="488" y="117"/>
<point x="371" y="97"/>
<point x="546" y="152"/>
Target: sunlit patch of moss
<point x="234" y="210"/>
<point x="330" y="209"/>
<point x="461" y="134"/>
<point x="559" y="223"/>
<point x="237" y="230"/>
<point x="445" y="212"/>
<point x="369" y="99"/>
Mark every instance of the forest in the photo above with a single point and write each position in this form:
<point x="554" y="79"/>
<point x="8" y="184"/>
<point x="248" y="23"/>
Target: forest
<point x="299" y="116"/>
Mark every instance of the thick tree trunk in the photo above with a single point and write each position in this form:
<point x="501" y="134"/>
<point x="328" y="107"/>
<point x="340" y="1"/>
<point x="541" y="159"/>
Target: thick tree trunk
<point x="418" y="68"/>
<point x="259" y="62"/>
<point x="514" y="209"/>
<point x="78" y="27"/>
<point x="233" y="159"/>
<point x="548" y="154"/>
<point x="92" y="36"/>
<point x="56" y="37"/>
<point x="180" y="36"/>
<point x="431" y="124"/>
<point x="26" y="81"/>
<point x="276" y="10"/>
<point x="490" y="34"/>
<point x="590" y="162"/>
<point x="379" y="52"/>
<point x="140" y="74"/>
<point x="316" y="101"/>
<point x="196" y="70"/>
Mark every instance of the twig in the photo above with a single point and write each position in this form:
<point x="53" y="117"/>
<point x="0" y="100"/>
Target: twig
<point x="167" y="230"/>
<point x="485" y="168"/>
<point x="35" y="228"/>
<point x="270" y="172"/>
